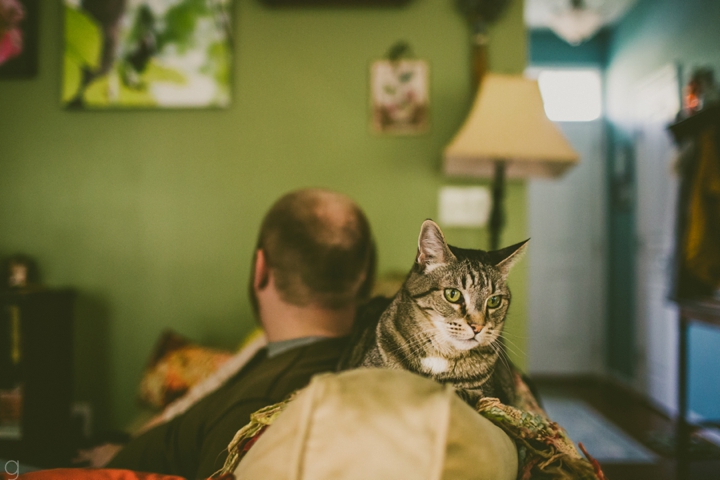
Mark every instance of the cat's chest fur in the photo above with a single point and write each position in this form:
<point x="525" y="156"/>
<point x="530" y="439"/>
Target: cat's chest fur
<point x="398" y="343"/>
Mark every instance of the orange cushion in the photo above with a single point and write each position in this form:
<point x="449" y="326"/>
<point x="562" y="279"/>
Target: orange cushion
<point x="175" y="366"/>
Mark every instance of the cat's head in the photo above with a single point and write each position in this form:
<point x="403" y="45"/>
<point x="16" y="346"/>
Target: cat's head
<point x="463" y="293"/>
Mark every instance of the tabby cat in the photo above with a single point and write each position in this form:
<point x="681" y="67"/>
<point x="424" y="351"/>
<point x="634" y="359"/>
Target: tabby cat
<point x="446" y="321"/>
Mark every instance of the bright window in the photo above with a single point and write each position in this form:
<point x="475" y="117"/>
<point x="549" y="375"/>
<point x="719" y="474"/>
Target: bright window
<point x="571" y="95"/>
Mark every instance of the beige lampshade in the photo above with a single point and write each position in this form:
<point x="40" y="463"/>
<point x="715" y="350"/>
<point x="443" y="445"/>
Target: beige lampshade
<point x="508" y="123"/>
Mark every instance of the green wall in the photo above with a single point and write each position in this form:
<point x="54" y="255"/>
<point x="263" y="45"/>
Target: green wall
<point x="152" y="215"/>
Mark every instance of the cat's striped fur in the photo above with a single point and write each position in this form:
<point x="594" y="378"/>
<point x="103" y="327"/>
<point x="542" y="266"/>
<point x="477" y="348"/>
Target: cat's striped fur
<point x="421" y="330"/>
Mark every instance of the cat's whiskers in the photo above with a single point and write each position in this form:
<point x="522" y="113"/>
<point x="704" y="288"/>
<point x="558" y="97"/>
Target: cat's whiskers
<point x="516" y="336"/>
<point x="506" y="350"/>
<point x="517" y="350"/>
<point x="510" y="319"/>
<point x="501" y="354"/>
<point x="513" y="351"/>
<point x="412" y="343"/>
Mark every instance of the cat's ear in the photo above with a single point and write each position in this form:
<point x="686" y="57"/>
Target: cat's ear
<point x="433" y="251"/>
<point x="505" y="258"/>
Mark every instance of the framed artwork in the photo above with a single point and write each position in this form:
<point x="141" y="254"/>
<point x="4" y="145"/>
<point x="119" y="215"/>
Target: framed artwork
<point x="146" y="54"/>
<point x="399" y="97"/>
<point x="335" y="3"/>
<point x="18" y="38"/>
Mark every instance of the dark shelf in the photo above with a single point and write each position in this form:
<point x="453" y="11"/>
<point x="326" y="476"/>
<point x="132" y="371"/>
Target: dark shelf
<point x="696" y="123"/>
<point x="37" y="323"/>
<point x="706" y="311"/>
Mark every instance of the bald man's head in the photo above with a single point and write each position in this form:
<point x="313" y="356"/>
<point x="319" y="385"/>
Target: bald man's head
<point x="320" y="248"/>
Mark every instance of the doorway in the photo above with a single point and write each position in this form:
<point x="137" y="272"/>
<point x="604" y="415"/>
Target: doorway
<point x="566" y="258"/>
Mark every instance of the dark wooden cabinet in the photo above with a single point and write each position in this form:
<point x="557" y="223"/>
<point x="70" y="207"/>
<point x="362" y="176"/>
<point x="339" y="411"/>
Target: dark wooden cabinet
<point x="36" y="375"/>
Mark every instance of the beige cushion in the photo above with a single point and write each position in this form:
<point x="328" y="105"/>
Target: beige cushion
<point x="380" y="424"/>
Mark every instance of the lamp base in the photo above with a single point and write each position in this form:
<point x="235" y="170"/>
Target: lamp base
<point x="497" y="214"/>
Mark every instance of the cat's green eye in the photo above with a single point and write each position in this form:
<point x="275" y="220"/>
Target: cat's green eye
<point x="494" y="301"/>
<point x="453" y="295"/>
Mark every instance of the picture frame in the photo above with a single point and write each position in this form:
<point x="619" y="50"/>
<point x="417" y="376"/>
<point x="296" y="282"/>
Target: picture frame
<point x="399" y="97"/>
<point x="146" y="54"/>
<point x="335" y="3"/>
<point x="19" y="38"/>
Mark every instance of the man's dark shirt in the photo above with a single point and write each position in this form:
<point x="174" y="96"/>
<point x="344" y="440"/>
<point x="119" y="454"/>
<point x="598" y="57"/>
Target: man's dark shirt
<point x="193" y="445"/>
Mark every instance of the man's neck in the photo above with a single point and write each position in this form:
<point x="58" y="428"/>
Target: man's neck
<point x="282" y="321"/>
<point x="276" y="348"/>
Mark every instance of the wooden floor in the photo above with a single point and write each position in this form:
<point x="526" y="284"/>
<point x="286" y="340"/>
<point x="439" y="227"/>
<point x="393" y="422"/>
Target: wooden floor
<point x="640" y="421"/>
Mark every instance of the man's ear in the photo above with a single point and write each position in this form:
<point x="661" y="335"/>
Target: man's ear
<point x="505" y="258"/>
<point x="433" y="251"/>
<point x="261" y="270"/>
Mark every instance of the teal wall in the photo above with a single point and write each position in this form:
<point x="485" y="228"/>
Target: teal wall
<point x="152" y="215"/>
<point x="546" y="48"/>
<point x="654" y="34"/>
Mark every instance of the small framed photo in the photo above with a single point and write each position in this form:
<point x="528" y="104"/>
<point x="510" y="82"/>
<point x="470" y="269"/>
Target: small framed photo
<point x="18" y="38"/>
<point x="399" y="97"/>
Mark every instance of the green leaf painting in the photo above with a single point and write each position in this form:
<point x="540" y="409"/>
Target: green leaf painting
<point x="147" y="54"/>
<point x="83" y="38"/>
<point x="83" y="44"/>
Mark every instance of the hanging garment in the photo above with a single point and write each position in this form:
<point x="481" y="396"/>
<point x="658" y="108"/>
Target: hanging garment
<point x="702" y="239"/>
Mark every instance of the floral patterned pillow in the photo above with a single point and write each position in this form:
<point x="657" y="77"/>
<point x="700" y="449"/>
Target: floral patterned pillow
<point x="175" y="366"/>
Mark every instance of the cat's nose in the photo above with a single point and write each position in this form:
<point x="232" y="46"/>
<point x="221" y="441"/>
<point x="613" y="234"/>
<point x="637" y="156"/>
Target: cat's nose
<point x="476" y="320"/>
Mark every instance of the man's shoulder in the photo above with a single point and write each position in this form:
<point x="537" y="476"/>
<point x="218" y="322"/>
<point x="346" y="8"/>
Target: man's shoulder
<point x="274" y="378"/>
<point x="267" y="382"/>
